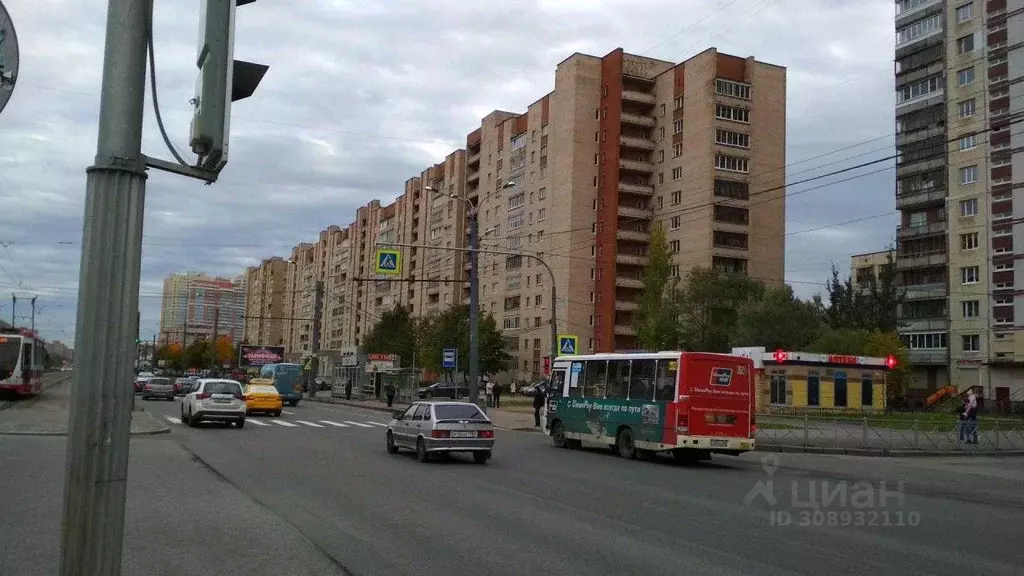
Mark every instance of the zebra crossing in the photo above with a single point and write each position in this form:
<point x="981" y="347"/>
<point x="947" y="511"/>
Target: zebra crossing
<point x="280" y="423"/>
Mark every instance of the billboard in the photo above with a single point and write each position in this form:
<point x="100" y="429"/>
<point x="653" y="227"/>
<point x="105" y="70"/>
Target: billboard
<point x="259" y="355"/>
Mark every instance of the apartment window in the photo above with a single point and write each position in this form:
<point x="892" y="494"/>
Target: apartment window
<point x="675" y="223"/>
<point x="677" y="127"/>
<point x="969" y="241"/>
<point x="918" y="29"/>
<point x="969" y="275"/>
<point x="732" y="189"/>
<point x="925" y="341"/>
<point x="965" y="109"/>
<point x="922" y="88"/>
<point x="965" y="77"/>
<point x="965" y="44"/>
<point x="969" y="207"/>
<point x="968" y="142"/>
<point x="971" y="308"/>
<point x="968" y="175"/>
<point x="677" y="150"/>
<point x="735" y="139"/>
<point x="674" y="246"/>
<point x="731" y="163"/>
<point x="541" y="214"/>
<point x="732" y="89"/>
<point x="964" y="12"/>
<point x="517" y="201"/>
<point x="732" y="113"/>
<point x="677" y="197"/>
<point x="677" y="103"/>
<point x="970" y="342"/>
<point x="677" y="174"/>
<point x="542" y="193"/>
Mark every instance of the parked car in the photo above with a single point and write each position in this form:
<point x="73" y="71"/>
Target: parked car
<point x="158" y="387"/>
<point x="182" y="386"/>
<point x="443" y="390"/>
<point x="216" y="400"/>
<point x="441" y="428"/>
<point x="531" y="389"/>
<point x="140" y="381"/>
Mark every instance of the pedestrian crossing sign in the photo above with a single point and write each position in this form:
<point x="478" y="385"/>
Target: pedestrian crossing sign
<point x="389" y="261"/>
<point x="568" y="344"/>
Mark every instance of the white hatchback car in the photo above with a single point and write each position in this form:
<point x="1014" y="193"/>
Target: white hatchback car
<point x="214" y="399"/>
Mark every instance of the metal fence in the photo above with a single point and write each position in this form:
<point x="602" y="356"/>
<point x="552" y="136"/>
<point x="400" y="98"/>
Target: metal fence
<point x="885" y="434"/>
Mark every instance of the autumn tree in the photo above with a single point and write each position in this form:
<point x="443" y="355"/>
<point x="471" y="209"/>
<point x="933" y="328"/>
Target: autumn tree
<point x="224" y="351"/>
<point x="656" y="320"/>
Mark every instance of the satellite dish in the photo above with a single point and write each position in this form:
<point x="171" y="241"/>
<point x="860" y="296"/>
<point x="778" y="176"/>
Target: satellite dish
<point x="8" y="57"/>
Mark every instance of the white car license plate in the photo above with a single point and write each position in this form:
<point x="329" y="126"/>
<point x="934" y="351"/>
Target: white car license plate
<point x="719" y="443"/>
<point x="460" y="434"/>
<point x="222" y="401"/>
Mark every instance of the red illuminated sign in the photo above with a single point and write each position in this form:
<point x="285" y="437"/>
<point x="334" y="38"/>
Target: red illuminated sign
<point x="890" y="361"/>
<point x="841" y="359"/>
<point x="781" y="356"/>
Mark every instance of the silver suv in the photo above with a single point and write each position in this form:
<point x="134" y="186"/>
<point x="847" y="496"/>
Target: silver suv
<point x="214" y="399"/>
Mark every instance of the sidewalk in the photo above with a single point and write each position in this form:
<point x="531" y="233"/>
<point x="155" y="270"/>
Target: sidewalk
<point x="507" y="419"/>
<point x="47" y="414"/>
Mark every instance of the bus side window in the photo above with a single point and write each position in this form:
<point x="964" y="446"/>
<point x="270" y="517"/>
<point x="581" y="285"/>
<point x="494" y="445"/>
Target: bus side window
<point x="666" y="380"/>
<point x="594" y="378"/>
<point x="641" y="380"/>
<point x="557" y="386"/>
<point x="618" y="379"/>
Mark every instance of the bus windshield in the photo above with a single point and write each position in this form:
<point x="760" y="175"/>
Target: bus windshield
<point x="9" y="349"/>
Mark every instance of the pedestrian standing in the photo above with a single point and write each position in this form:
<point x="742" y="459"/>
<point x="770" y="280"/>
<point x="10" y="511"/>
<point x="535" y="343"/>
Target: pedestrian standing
<point x="348" y="389"/>
<point x="489" y="390"/>
<point x="971" y="418"/>
<point x="538" y="402"/>
<point x="389" y="390"/>
<point x="497" y="396"/>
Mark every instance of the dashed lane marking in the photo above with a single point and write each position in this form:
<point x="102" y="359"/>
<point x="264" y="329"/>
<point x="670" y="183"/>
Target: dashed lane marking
<point x="307" y="423"/>
<point x="285" y="424"/>
<point x="173" y="420"/>
<point x="358" y="424"/>
<point x="335" y="424"/>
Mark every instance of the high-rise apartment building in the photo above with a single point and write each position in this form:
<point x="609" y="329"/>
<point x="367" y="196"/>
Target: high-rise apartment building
<point x="955" y="107"/>
<point x="623" y="143"/>
<point x="865" y="269"/>
<point x="265" y="296"/>
<point x="196" y="306"/>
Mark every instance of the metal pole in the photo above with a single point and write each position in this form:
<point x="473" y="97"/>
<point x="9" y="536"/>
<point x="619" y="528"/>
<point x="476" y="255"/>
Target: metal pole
<point x="474" y="313"/>
<point x="14" y="307"/>
<point x="32" y="326"/>
<point x="92" y="526"/>
<point x="314" y="361"/>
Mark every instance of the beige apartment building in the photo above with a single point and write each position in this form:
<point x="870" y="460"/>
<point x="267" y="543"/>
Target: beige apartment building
<point x="866" y="268"/>
<point x="622" y="143"/>
<point x="956" y="65"/>
<point x="265" y="297"/>
<point x="195" y="306"/>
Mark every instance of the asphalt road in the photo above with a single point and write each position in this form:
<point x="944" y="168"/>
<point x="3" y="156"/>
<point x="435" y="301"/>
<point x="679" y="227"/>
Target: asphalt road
<point x="328" y="499"/>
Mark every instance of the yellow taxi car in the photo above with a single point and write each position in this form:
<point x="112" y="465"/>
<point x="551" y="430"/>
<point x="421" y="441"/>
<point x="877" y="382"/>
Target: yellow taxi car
<point x="262" y="396"/>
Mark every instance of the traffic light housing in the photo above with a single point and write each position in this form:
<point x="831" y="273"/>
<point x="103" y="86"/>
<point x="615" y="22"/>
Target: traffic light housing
<point x="222" y="80"/>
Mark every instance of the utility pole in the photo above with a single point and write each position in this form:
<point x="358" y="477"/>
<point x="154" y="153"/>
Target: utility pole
<point x="216" y="328"/>
<point x="33" y="321"/>
<point x="96" y="467"/>
<point x="314" y="364"/>
<point x="474" y="312"/>
<point x="14" y="307"/>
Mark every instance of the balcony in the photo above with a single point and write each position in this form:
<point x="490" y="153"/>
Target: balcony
<point x="625" y="306"/>
<point x="729" y="252"/>
<point x="473" y="159"/>
<point x="628" y="282"/>
<point x="631" y="260"/>
<point x="624" y="330"/>
<point x="639" y="213"/>
<point x="473" y="177"/>
<point x="923" y="230"/>
<point x="922" y="198"/>
<point x="638" y="120"/>
<point x="632" y="235"/>
<point x="907" y="262"/>
<point x="638" y="189"/>
<point x="925" y="291"/>
<point x="929" y="357"/>
<point x="638" y="143"/>
<point x="640" y="97"/>
<point x="636" y="166"/>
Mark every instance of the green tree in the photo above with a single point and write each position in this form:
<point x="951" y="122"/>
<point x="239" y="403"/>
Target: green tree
<point x="709" y="303"/>
<point x="199" y="354"/>
<point x="656" y="320"/>
<point x="171" y="354"/>
<point x="872" y="306"/>
<point x="871" y="343"/>
<point x="450" y="329"/>
<point x="394" y="333"/>
<point x="777" y="320"/>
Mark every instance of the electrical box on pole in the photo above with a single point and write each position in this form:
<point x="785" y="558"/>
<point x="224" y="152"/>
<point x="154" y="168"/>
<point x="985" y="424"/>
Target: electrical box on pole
<point x="222" y="80"/>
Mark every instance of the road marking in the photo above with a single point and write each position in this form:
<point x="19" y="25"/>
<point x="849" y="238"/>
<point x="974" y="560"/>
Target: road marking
<point x="283" y="423"/>
<point x="336" y="424"/>
<point x="173" y="420"/>
<point x="309" y="423"/>
<point x="257" y="422"/>
<point x="358" y="424"/>
<point x="288" y="413"/>
<point x="378" y="424"/>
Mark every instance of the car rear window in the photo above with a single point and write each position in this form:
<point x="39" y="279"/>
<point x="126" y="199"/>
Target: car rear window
<point x="263" y="389"/>
<point x="457" y="412"/>
<point x="223" y="388"/>
<point x="183" y="381"/>
<point x="160" y="381"/>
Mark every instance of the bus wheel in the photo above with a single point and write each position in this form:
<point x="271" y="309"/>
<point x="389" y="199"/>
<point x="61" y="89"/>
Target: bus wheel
<point x="625" y="445"/>
<point x="558" y="435"/>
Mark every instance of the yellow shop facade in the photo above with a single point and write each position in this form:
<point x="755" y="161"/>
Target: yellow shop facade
<point x="790" y="382"/>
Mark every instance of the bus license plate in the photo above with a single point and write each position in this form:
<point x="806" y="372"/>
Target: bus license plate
<point x="719" y="443"/>
<point x="457" y="434"/>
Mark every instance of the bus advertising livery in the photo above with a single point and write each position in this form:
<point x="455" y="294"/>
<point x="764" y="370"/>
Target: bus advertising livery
<point x="691" y="404"/>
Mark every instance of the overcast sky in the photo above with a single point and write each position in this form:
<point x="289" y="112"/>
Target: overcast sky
<point x="360" y="97"/>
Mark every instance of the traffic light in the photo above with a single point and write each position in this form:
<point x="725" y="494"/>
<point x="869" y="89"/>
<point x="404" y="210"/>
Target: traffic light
<point x="222" y="80"/>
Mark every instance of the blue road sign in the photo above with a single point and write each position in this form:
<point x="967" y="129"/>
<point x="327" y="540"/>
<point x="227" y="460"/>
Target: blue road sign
<point x="389" y="262"/>
<point x="449" y="357"/>
<point x="568" y="344"/>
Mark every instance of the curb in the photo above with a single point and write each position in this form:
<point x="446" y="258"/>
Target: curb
<point x="146" y="433"/>
<point x="880" y="452"/>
